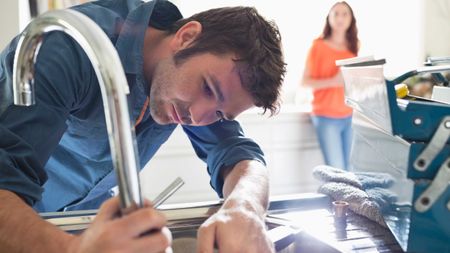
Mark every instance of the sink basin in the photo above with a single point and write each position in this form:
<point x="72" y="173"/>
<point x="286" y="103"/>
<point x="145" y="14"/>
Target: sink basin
<point x="287" y="238"/>
<point x="296" y="223"/>
<point x="185" y="240"/>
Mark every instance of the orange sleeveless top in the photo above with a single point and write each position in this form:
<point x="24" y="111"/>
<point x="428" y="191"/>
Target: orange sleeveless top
<point x="328" y="102"/>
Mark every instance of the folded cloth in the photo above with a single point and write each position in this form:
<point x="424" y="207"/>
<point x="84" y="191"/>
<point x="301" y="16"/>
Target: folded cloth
<point x="384" y="198"/>
<point x="365" y="192"/>
<point x="362" y="180"/>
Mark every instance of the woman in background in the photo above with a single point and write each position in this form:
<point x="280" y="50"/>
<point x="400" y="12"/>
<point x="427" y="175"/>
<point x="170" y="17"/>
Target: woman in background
<point x="330" y="116"/>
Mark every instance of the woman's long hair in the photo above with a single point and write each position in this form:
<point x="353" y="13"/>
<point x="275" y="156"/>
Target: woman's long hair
<point x="351" y="34"/>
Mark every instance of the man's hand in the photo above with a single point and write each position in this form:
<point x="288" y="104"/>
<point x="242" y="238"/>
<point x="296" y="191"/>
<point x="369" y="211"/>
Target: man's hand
<point x="110" y="233"/>
<point x="239" y="225"/>
<point x="232" y="230"/>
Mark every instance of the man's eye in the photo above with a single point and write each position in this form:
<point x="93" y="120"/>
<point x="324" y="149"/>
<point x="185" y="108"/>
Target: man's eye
<point x="207" y="90"/>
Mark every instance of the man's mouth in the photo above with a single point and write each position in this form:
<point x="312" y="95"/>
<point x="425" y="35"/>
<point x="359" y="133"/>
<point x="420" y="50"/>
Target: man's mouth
<point x="175" y="116"/>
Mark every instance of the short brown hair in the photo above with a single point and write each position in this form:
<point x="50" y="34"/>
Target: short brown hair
<point x="256" y="41"/>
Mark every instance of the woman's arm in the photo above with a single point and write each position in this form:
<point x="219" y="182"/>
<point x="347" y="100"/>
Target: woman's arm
<point x="309" y="82"/>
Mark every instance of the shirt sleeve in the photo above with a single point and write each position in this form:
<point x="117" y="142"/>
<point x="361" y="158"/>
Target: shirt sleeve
<point x="28" y="135"/>
<point x="220" y="145"/>
<point x="311" y="59"/>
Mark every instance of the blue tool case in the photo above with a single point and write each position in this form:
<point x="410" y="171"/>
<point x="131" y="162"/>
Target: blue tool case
<point x="408" y="138"/>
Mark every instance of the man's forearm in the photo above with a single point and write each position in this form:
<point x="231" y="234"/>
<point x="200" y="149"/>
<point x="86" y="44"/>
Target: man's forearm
<point x="23" y="230"/>
<point x="247" y="184"/>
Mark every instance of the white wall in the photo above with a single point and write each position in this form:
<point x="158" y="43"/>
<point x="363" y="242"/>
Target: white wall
<point x="9" y="18"/>
<point x="437" y="32"/>
<point x="288" y="141"/>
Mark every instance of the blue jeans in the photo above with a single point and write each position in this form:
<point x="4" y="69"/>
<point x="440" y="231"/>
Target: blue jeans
<point x="335" y="137"/>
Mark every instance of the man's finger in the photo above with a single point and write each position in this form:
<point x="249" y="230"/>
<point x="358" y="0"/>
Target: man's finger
<point x="141" y="221"/>
<point x="148" y="203"/>
<point x="156" y="242"/>
<point x="108" y="210"/>
<point x="205" y="239"/>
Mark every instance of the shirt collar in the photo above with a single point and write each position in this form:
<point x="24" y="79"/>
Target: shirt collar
<point x="131" y="38"/>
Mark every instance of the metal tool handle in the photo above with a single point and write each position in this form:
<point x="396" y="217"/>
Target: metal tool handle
<point x="87" y="219"/>
<point x="169" y="191"/>
<point x="434" y="147"/>
<point x="437" y="187"/>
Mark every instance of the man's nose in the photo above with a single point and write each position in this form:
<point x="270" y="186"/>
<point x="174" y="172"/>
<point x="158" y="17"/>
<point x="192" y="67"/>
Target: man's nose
<point x="203" y="114"/>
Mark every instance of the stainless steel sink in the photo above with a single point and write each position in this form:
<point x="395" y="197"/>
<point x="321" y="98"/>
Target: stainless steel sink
<point x="287" y="236"/>
<point x="185" y="241"/>
<point x="296" y="223"/>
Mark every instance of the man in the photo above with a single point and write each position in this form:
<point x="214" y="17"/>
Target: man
<point x="199" y="72"/>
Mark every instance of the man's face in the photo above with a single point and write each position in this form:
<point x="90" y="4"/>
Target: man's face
<point x="198" y="91"/>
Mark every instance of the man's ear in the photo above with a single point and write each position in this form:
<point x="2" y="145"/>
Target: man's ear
<point x="186" y="35"/>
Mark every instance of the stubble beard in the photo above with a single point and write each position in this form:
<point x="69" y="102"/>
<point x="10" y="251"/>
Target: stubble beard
<point x="158" y="91"/>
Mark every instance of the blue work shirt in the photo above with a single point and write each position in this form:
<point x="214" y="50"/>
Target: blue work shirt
<point x="55" y="154"/>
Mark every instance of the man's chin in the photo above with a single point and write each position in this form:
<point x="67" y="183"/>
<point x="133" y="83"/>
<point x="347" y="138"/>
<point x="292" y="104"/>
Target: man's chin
<point x="160" y="120"/>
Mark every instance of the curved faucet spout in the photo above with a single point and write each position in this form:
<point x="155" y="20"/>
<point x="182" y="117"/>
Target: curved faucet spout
<point x="113" y="84"/>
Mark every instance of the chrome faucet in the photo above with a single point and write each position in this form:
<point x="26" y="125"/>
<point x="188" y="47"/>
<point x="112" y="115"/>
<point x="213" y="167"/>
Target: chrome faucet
<point x="113" y="85"/>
